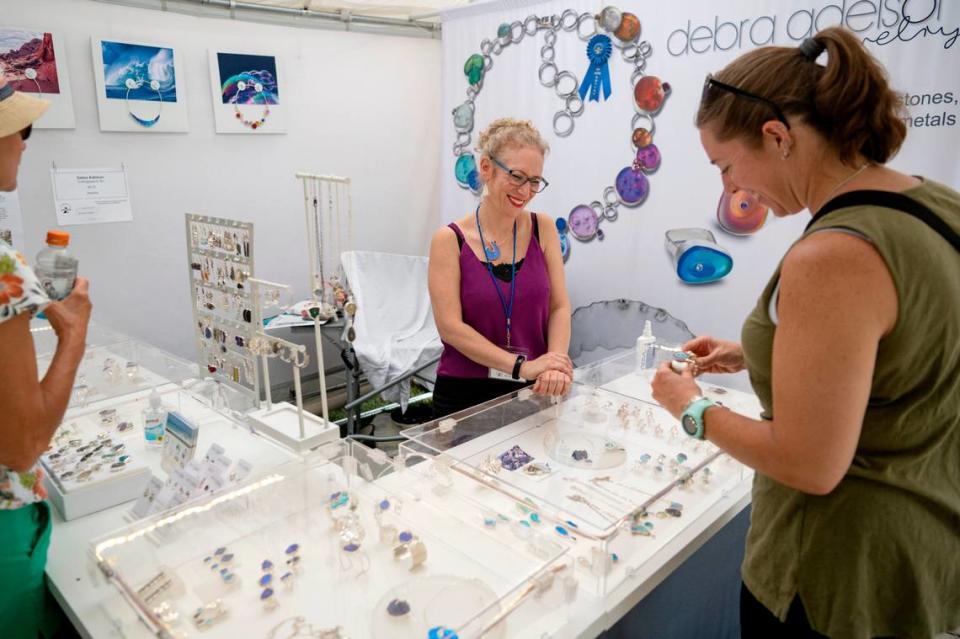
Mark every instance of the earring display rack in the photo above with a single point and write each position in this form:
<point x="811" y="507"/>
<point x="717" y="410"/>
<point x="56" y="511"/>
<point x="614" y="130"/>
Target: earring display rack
<point x="291" y="427"/>
<point x="220" y="263"/>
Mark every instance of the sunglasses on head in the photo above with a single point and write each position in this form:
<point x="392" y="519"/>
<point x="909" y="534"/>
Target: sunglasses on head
<point x="709" y="84"/>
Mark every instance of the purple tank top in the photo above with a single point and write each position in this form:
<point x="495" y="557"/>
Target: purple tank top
<point x="482" y="310"/>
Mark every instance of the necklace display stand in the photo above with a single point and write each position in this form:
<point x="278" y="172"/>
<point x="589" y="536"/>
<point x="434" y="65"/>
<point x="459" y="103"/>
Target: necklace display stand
<point x="327" y="205"/>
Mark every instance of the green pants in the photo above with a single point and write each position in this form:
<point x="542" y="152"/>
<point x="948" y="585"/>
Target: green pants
<point x="25" y="604"/>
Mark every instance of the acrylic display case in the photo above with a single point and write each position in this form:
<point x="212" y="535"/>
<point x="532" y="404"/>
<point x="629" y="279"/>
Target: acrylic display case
<point x="45" y="339"/>
<point x="342" y="543"/>
<point x="113" y="369"/>
<point x="99" y="457"/>
<point x="612" y="476"/>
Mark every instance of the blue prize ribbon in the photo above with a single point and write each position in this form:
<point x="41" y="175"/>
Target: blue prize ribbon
<point x="597" y="75"/>
<point x="507" y="309"/>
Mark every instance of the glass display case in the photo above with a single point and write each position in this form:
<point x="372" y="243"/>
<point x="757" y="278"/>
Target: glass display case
<point x="610" y="475"/>
<point x="113" y="369"/>
<point x="342" y="543"/>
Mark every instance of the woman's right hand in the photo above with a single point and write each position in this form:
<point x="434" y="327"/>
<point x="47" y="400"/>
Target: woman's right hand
<point x="715" y="355"/>
<point x="70" y="316"/>
<point x="532" y="369"/>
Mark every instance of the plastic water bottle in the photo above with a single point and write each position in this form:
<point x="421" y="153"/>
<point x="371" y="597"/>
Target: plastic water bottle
<point x="55" y="268"/>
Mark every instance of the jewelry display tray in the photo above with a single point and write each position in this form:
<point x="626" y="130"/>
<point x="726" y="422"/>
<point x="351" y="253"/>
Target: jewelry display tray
<point x="614" y="508"/>
<point x="471" y="578"/>
<point x="204" y="402"/>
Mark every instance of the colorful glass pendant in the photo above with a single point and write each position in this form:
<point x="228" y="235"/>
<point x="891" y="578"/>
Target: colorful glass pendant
<point x="584" y="223"/>
<point x="629" y="28"/>
<point x="650" y="92"/>
<point x="641" y="137"/>
<point x="740" y="213"/>
<point x="441" y="632"/>
<point x="648" y="158"/>
<point x="503" y="31"/>
<point x="632" y="185"/>
<point x="492" y="252"/>
<point x="463" y="117"/>
<point x="466" y="172"/>
<point x="473" y="69"/>
<point x="133" y="84"/>
<point x="610" y="18"/>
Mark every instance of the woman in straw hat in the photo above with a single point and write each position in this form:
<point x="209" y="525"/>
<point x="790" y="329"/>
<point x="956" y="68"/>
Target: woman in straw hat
<point x="31" y="407"/>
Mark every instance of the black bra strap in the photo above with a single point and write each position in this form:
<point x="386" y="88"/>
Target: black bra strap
<point x="890" y="200"/>
<point x="536" y="226"/>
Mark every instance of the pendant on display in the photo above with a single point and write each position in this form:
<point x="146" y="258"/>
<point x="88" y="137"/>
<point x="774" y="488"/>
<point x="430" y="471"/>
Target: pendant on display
<point x="740" y="213"/>
<point x="466" y="172"/>
<point x="133" y="84"/>
<point x="31" y="74"/>
<point x="696" y="256"/>
<point x="584" y="223"/>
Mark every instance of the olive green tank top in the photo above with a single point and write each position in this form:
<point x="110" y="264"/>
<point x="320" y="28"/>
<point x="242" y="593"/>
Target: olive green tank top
<point x="879" y="555"/>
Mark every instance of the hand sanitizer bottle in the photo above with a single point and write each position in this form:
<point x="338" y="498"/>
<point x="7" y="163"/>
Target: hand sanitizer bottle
<point x="154" y="420"/>
<point x="645" y="347"/>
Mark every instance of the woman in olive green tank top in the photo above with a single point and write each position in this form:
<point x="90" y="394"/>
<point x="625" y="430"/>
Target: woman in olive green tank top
<point x="853" y="350"/>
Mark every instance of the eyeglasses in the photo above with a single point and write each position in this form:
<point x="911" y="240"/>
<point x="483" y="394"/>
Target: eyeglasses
<point x="709" y="83"/>
<point x="25" y="133"/>
<point x="537" y="184"/>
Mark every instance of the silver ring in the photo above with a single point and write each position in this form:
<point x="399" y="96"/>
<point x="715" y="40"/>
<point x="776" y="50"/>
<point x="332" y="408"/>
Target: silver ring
<point x="630" y="53"/>
<point x="645" y="49"/>
<point x="473" y="90"/>
<point x="486" y="47"/>
<point x="637" y="74"/>
<point x="556" y="119"/>
<point x="487" y="63"/>
<point x="550" y="38"/>
<point x="458" y="149"/>
<point x="463" y="138"/>
<point x="638" y="116"/>
<point x="641" y="63"/>
<point x="552" y="82"/>
<point x="573" y="91"/>
<point x="581" y="20"/>
<point x="515" y="35"/>
<point x="597" y="207"/>
<point x="498" y="47"/>
<point x="575" y="99"/>
<point x="530" y="25"/>
<point x="571" y="24"/>
<point x="610" y="212"/>
<point x="543" y="53"/>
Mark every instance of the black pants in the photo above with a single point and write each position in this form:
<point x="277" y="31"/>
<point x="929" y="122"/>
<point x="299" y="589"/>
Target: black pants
<point x="454" y="394"/>
<point x="756" y="622"/>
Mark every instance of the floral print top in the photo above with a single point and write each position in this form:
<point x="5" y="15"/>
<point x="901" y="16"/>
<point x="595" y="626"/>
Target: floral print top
<point x="20" y="293"/>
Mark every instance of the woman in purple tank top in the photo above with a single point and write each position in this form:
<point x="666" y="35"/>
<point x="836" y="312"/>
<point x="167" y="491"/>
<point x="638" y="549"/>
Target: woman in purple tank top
<point x="497" y="283"/>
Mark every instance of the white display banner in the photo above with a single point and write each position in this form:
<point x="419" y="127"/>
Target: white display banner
<point x="91" y="196"/>
<point x="11" y="219"/>
<point x="916" y="40"/>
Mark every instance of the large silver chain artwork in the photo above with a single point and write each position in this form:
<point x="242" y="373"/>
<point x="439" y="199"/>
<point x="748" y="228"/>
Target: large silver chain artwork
<point x="631" y="187"/>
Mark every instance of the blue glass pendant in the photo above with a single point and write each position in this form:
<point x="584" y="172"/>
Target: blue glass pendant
<point x="696" y="256"/>
<point x="492" y="252"/>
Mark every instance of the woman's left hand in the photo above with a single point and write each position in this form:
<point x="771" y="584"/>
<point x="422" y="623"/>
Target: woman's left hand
<point x="673" y="390"/>
<point x="552" y="382"/>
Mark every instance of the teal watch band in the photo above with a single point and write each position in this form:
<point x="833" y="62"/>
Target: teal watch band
<point x="692" y="418"/>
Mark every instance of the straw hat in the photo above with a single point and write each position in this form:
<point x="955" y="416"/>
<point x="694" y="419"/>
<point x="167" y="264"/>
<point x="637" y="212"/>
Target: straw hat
<point x="18" y="110"/>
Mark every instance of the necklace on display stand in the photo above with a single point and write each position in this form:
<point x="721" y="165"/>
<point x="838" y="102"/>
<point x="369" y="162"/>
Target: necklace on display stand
<point x="253" y="124"/>
<point x="631" y="186"/>
<point x="133" y="84"/>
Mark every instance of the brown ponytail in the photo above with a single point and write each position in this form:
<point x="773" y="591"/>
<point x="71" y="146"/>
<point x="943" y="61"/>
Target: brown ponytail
<point x="848" y="101"/>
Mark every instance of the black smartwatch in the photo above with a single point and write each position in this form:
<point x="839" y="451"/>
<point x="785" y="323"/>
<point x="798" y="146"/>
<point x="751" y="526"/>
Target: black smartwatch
<point x="516" y="367"/>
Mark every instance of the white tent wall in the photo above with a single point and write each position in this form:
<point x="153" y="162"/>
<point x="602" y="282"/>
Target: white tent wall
<point x="631" y="261"/>
<point x="364" y="106"/>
